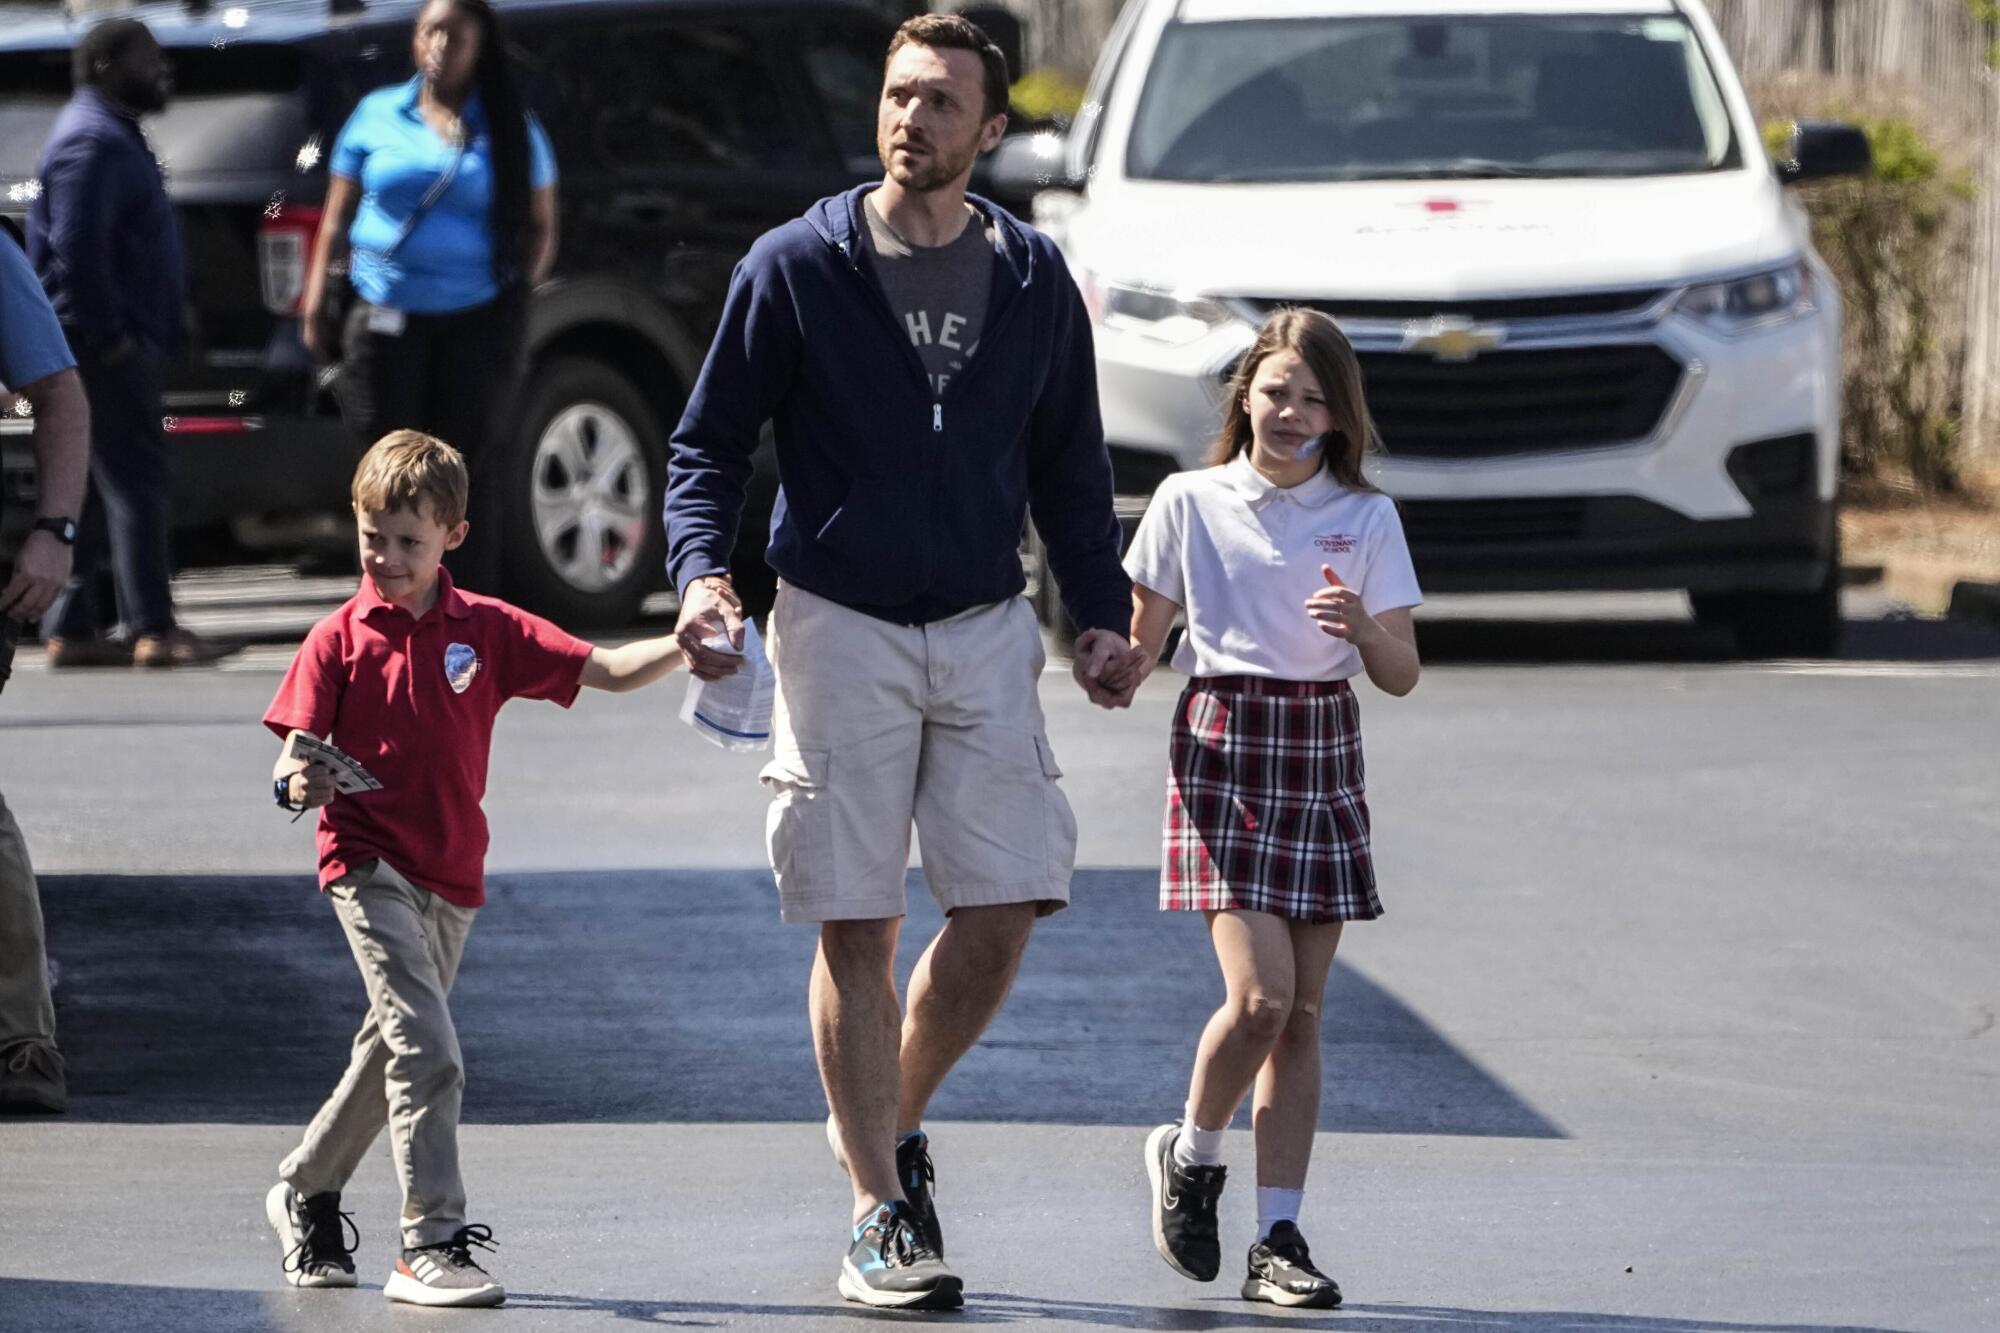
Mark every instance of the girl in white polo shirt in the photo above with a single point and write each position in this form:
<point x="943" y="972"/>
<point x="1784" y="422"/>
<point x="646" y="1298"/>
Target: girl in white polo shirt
<point x="1294" y="575"/>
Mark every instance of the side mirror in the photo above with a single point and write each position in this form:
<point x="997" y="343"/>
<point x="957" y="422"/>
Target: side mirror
<point x="1822" y="148"/>
<point x="1024" y="164"/>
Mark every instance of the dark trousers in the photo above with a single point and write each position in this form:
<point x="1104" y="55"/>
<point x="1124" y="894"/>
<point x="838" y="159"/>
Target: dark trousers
<point x="127" y="513"/>
<point x="444" y="375"/>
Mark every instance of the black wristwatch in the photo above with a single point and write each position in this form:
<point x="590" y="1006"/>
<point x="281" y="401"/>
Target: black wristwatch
<point x="281" y="791"/>
<point x="63" y="528"/>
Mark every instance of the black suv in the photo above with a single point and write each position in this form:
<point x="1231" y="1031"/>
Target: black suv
<point x="683" y="129"/>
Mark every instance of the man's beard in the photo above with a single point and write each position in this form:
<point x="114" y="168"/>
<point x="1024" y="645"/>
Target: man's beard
<point x="142" y="97"/>
<point x="935" y="171"/>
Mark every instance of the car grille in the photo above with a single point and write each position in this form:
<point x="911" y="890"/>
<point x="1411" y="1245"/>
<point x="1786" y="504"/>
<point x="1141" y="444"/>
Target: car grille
<point x="1569" y="305"/>
<point x="1438" y="523"/>
<point x="1517" y="402"/>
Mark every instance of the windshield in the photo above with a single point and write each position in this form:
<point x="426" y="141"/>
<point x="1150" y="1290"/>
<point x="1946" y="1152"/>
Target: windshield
<point x="1414" y="98"/>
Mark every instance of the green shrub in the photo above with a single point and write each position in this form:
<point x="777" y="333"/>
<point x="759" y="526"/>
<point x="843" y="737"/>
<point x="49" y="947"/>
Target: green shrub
<point x="1889" y="238"/>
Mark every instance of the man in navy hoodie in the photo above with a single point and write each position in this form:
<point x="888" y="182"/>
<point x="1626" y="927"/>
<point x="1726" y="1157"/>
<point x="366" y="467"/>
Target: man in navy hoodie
<point x="102" y="237"/>
<point x="925" y="363"/>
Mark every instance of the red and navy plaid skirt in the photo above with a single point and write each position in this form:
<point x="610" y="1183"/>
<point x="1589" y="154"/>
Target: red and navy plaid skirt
<point x="1266" y="810"/>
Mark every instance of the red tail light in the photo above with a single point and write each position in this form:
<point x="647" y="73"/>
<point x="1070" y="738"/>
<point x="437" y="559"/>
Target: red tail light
<point x="284" y="247"/>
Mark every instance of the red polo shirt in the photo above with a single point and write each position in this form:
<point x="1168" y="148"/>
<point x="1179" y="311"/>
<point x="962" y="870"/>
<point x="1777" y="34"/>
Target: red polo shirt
<point x="414" y="700"/>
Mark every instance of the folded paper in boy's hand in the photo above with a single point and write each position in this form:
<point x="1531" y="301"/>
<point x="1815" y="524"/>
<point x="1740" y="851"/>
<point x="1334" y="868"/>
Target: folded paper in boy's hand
<point x="348" y="774"/>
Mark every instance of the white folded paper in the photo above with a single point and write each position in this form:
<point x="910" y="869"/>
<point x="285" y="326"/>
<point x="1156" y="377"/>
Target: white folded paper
<point x="734" y="712"/>
<point x="348" y="774"/>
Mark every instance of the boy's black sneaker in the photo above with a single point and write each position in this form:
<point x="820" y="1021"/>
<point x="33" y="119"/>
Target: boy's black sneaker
<point x="915" y="1173"/>
<point x="1183" y="1210"/>
<point x="313" y="1233"/>
<point x="892" y="1265"/>
<point x="444" y="1274"/>
<point x="1282" y="1272"/>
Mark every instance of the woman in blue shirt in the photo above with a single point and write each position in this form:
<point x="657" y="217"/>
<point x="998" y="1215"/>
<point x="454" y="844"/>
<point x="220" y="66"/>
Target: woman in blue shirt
<point x="442" y="192"/>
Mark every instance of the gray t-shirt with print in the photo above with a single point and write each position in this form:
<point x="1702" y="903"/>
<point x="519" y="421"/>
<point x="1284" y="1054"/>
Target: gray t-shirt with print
<point x="938" y="291"/>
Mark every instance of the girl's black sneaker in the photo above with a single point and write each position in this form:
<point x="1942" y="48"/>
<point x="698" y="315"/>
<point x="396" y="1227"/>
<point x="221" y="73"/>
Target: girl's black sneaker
<point x="1282" y="1272"/>
<point x="1184" y="1208"/>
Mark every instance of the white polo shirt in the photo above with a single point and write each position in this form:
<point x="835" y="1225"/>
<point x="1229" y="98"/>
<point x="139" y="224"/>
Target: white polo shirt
<point x="1241" y="556"/>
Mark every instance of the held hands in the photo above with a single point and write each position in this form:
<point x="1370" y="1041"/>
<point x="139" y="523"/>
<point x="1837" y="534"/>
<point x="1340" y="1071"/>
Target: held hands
<point x="1109" y="669"/>
<point x="711" y="608"/>
<point x="1337" y="610"/>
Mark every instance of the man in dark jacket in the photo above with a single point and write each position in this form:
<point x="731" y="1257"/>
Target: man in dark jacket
<point x="102" y="238"/>
<point x="925" y="363"/>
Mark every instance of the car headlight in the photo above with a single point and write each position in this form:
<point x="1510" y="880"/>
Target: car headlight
<point x="1743" y="305"/>
<point x="1152" y="313"/>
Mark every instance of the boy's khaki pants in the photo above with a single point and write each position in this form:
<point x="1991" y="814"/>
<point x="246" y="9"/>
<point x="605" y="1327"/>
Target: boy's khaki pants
<point x="406" y="1071"/>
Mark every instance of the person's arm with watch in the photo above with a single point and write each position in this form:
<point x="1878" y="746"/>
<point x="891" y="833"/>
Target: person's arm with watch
<point x="62" y="469"/>
<point x="299" y="785"/>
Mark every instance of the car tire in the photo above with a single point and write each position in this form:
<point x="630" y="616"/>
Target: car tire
<point x="584" y="480"/>
<point x="1791" y="624"/>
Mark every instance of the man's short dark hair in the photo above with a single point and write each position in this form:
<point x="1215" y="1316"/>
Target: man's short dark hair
<point x="104" y="41"/>
<point x="949" y="32"/>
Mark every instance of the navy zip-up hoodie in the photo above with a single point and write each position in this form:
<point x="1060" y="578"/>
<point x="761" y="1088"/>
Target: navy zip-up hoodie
<point x="895" y="501"/>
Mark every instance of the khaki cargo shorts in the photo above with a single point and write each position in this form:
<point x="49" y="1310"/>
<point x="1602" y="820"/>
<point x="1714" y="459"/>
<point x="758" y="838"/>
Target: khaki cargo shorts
<point x="878" y="726"/>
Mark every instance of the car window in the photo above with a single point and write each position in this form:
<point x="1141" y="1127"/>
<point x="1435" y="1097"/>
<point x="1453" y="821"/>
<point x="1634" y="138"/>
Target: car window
<point x="1090" y="120"/>
<point x="1422" y="98"/>
<point x="236" y="109"/>
<point x="845" y="67"/>
<point x="668" y="96"/>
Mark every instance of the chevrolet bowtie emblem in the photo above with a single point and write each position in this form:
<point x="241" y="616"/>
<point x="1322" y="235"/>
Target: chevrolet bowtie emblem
<point x="1450" y="339"/>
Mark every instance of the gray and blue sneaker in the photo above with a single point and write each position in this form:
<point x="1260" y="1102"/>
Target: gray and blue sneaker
<point x="914" y="1173"/>
<point x="892" y="1265"/>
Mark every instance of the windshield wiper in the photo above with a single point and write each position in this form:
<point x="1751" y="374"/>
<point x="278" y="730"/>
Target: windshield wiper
<point x="1470" y="169"/>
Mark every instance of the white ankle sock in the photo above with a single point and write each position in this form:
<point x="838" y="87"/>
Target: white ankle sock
<point x="1195" y="1146"/>
<point x="1274" y="1206"/>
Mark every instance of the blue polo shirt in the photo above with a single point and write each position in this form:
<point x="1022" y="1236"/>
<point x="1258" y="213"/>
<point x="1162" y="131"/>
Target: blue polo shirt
<point x="32" y="346"/>
<point x="447" y="262"/>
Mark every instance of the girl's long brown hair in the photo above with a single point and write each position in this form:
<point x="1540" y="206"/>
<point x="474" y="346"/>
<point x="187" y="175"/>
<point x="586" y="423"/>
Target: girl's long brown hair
<point x="1317" y="341"/>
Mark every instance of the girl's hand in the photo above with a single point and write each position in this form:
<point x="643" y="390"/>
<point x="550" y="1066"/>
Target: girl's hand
<point x="1338" y="611"/>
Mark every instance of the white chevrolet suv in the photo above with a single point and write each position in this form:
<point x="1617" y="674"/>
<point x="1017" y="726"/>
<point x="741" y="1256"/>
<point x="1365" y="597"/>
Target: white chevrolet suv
<point x="1596" y="338"/>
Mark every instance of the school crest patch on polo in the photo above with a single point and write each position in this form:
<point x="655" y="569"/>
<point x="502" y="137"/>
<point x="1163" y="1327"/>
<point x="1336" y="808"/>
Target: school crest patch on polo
<point x="461" y="664"/>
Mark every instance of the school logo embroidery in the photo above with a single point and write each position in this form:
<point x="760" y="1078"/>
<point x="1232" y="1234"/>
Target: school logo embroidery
<point x="461" y="664"/>
<point x="1336" y="543"/>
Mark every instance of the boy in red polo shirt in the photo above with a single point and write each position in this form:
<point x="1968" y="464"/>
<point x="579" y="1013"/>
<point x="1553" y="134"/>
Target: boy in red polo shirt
<point x="406" y="678"/>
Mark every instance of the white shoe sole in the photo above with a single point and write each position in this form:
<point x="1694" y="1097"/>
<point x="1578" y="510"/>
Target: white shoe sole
<point x="407" y="1290"/>
<point x="278" y="1211"/>
<point x="1256" y="1289"/>
<point x="947" y="1295"/>
<point x="1153" y="1208"/>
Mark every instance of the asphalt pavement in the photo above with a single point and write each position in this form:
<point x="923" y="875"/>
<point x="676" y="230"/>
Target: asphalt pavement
<point x="1680" y="1021"/>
